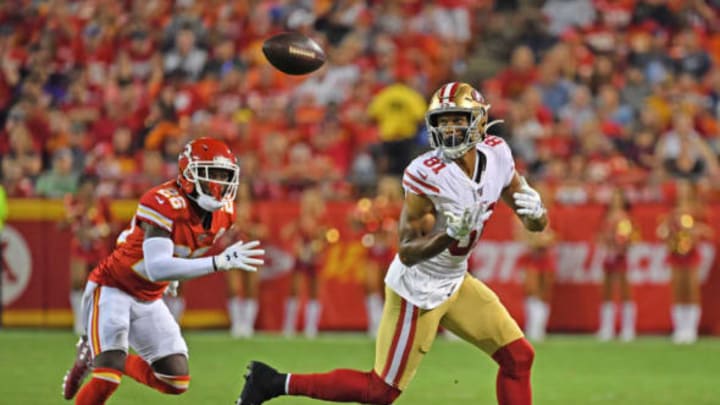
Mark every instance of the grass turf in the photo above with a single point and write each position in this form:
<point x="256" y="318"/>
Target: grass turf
<point x="568" y="369"/>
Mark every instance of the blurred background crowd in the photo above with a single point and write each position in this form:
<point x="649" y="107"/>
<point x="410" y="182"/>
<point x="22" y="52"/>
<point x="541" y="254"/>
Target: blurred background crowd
<point x="593" y="92"/>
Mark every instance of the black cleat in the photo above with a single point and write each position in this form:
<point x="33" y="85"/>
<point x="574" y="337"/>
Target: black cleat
<point x="262" y="383"/>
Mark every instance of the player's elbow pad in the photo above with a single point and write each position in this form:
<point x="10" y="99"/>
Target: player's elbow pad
<point x="157" y="253"/>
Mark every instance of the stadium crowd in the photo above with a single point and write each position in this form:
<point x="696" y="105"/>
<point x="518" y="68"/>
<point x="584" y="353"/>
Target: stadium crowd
<point x="593" y="92"/>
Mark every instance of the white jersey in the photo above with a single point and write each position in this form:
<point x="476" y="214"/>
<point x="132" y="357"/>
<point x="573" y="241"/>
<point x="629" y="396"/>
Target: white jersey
<point x="430" y="282"/>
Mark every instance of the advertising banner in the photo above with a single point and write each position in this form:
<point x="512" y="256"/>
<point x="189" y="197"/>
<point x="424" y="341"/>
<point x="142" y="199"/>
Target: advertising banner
<point x="35" y="278"/>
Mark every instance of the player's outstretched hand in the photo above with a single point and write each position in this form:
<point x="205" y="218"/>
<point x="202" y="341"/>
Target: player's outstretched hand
<point x="241" y="255"/>
<point x="528" y="201"/>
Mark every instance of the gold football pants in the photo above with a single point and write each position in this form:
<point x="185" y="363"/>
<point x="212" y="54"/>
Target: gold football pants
<point x="407" y="332"/>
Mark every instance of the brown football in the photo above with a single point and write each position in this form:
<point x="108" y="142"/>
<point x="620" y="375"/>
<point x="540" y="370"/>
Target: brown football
<point x="293" y="53"/>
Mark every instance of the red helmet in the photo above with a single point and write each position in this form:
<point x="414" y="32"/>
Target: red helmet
<point x="208" y="173"/>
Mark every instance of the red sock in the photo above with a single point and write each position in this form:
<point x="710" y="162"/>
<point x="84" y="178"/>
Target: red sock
<point x="103" y="382"/>
<point x="513" y="379"/>
<point x="343" y="386"/>
<point x="140" y="371"/>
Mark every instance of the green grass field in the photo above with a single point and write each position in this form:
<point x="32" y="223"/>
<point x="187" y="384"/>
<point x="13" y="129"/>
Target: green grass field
<point x="568" y="370"/>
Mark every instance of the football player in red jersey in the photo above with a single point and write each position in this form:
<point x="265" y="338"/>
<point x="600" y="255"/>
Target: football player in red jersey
<point x="174" y="226"/>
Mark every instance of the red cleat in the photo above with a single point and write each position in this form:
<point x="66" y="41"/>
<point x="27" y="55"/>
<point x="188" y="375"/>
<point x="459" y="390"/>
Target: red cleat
<point x="76" y="375"/>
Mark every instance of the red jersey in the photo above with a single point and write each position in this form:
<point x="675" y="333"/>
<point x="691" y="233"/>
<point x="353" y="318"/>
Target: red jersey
<point x="166" y="207"/>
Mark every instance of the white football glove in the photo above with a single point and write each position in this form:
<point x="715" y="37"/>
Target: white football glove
<point x="240" y="255"/>
<point x="459" y="226"/>
<point x="528" y="201"/>
<point x="172" y="288"/>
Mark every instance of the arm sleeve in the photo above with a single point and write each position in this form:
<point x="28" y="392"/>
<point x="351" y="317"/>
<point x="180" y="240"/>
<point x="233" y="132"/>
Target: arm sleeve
<point x="160" y="264"/>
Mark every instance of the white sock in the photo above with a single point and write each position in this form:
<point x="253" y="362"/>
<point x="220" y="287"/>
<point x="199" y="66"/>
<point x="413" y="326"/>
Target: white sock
<point x="374" y="307"/>
<point x="607" y="320"/>
<point x="76" y="305"/>
<point x="678" y="316"/>
<point x="629" y="311"/>
<point x="312" y="317"/>
<point x="686" y="318"/>
<point x="234" y="306"/>
<point x="249" y="316"/>
<point x="176" y="305"/>
<point x="533" y="314"/>
<point x="693" y="322"/>
<point x="530" y="319"/>
<point x="544" y="315"/>
<point x="290" y="319"/>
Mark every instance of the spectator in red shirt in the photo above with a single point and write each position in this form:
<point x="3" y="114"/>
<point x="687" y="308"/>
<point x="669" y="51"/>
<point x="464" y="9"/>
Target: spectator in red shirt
<point x="96" y="54"/>
<point x="520" y="74"/>
<point x="81" y="104"/>
<point x="141" y="55"/>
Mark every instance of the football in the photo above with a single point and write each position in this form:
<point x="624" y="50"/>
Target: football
<point x="293" y="53"/>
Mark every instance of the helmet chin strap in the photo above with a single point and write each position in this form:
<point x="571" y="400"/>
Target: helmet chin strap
<point x="456" y="153"/>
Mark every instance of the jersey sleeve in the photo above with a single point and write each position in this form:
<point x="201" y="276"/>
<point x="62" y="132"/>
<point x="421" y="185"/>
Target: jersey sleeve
<point x="420" y="180"/>
<point x="160" y="208"/>
<point x="505" y="158"/>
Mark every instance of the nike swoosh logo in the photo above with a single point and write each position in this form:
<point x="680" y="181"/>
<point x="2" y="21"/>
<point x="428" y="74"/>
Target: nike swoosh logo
<point x="423" y="175"/>
<point x="159" y="200"/>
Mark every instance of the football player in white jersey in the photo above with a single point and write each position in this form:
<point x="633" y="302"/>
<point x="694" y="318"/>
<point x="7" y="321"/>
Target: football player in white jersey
<point x="450" y="192"/>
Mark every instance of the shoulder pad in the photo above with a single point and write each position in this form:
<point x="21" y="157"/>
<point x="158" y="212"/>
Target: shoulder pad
<point x="422" y="175"/>
<point x="161" y="207"/>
